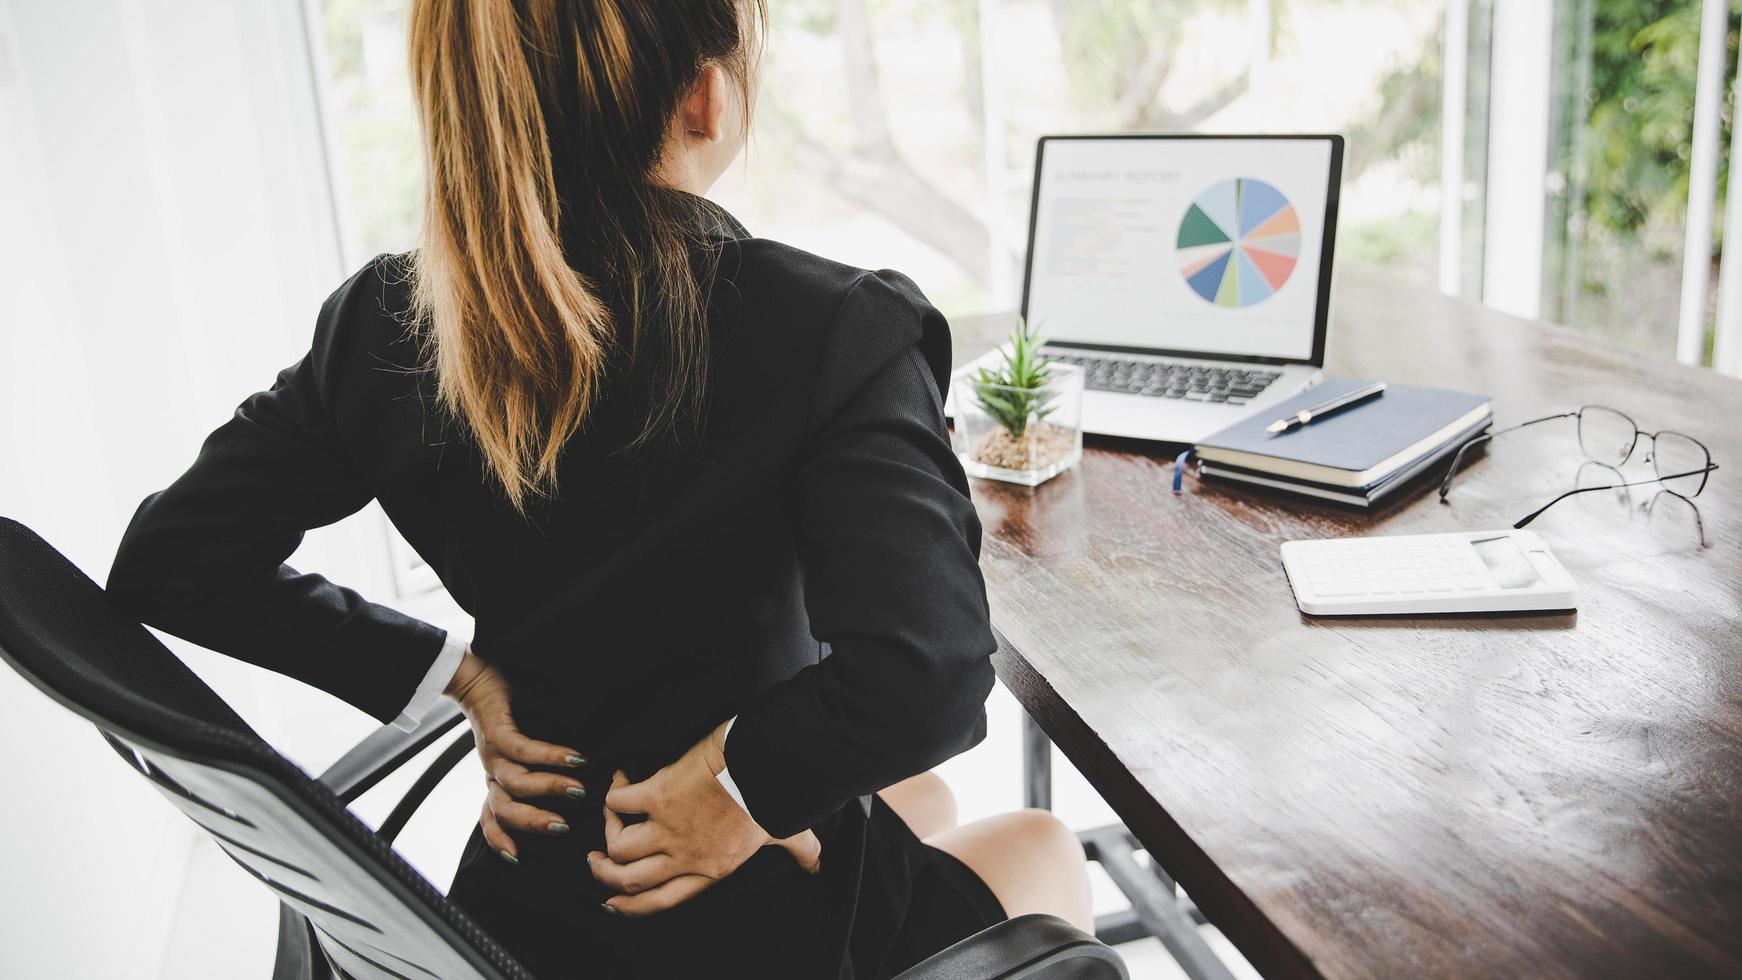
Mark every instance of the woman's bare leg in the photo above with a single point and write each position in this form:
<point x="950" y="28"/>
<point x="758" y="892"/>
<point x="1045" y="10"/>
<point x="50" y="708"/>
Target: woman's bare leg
<point x="1029" y="859"/>
<point x="922" y="802"/>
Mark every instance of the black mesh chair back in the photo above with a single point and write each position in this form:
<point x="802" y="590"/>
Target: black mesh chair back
<point x="371" y="913"/>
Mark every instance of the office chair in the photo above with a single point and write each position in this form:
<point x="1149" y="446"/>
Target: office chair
<point x="350" y="908"/>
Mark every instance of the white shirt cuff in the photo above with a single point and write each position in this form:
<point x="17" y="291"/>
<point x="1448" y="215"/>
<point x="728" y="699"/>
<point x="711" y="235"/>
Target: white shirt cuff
<point x="424" y="699"/>
<point x="725" y="776"/>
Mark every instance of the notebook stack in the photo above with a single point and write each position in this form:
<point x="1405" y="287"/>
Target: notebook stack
<point x="1357" y="456"/>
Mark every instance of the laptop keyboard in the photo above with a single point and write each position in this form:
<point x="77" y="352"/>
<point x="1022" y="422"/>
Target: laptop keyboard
<point x="1164" y="379"/>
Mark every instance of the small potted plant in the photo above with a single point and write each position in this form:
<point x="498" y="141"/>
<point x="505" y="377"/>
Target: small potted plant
<point x="1020" y="423"/>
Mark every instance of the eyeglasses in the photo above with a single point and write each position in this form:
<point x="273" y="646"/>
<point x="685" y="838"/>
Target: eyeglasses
<point x="1682" y="464"/>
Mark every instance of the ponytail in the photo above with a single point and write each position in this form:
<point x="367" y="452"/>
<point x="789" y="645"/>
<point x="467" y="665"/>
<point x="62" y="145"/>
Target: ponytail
<point x="542" y="121"/>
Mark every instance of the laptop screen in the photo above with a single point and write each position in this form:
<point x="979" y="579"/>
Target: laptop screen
<point x="1208" y="246"/>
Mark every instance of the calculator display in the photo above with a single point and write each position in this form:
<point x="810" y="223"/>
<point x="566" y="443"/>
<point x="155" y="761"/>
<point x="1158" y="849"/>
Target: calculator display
<point x="1511" y="567"/>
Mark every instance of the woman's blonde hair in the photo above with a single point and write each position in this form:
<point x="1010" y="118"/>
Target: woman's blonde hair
<point x="547" y="251"/>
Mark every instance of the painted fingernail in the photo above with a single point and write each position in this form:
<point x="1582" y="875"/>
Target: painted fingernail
<point x="511" y="859"/>
<point x="558" y="828"/>
<point x="576" y="760"/>
<point x="609" y="910"/>
<point x="576" y="792"/>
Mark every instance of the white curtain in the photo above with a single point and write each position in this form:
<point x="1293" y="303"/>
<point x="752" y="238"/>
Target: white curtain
<point x="167" y="233"/>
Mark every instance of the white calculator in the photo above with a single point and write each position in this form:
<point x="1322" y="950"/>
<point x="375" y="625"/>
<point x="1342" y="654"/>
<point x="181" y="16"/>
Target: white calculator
<point x="1470" y="571"/>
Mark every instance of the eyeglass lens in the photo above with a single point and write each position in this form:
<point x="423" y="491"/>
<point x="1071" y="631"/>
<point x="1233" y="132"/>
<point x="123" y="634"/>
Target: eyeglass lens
<point x="1607" y="436"/>
<point x="1671" y="453"/>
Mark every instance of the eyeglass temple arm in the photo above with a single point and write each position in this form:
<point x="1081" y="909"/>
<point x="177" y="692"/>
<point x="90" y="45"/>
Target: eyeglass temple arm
<point x="1458" y="460"/>
<point x="1533" y="515"/>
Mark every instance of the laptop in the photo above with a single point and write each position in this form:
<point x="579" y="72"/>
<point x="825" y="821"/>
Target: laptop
<point x="1188" y="275"/>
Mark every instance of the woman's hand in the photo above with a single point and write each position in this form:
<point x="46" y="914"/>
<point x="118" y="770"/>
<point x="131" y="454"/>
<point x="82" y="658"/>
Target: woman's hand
<point x="483" y="694"/>
<point x="694" y="834"/>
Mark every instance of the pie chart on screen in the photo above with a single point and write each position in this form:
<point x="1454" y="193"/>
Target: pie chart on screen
<point x="1238" y="242"/>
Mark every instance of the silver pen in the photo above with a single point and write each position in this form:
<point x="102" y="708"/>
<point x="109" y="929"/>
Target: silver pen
<point x="1307" y="416"/>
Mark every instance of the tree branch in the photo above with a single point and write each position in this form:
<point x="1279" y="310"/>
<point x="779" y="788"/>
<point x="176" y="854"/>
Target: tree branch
<point x="1158" y="117"/>
<point x="864" y="86"/>
<point x="890" y="188"/>
<point x="875" y="175"/>
<point x="1146" y="84"/>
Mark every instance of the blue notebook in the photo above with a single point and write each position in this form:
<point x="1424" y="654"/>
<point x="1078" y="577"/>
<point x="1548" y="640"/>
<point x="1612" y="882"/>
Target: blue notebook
<point x="1357" y="447"/>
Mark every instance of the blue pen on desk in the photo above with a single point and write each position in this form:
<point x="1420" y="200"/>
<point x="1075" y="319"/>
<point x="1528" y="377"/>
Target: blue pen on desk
<point x="1308" y="416"/>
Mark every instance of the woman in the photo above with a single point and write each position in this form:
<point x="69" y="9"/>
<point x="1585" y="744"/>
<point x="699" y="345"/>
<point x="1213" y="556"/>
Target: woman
<point x="694" y="486"/>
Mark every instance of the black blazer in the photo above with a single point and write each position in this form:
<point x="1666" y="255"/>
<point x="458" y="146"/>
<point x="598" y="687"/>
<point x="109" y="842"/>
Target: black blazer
<point x="807" y="561"/>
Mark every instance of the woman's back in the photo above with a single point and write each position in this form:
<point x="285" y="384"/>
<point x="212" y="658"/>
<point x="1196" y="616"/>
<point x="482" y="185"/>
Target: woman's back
<point x="674" y="566"/>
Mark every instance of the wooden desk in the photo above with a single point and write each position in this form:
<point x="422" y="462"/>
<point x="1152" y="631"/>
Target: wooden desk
<point x="1528" y="795"/>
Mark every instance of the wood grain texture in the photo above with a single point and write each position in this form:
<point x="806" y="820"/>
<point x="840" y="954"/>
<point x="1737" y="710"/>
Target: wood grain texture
<point x="1521" y="795"/>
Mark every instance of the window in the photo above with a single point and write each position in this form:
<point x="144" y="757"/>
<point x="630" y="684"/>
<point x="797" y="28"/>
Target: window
<point x="901" y="132"/>
<point x="904" y="132"/>
<point x="1622" y="155"/>
<point x="378" y="162"/>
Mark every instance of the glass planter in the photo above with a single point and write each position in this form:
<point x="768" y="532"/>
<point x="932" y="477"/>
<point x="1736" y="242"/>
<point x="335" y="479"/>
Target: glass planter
<point x="1020" y="435"/>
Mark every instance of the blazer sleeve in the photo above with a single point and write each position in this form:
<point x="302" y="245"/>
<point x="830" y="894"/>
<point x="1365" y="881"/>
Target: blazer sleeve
<point x="889" y="542"/>
<point x="203" y="559"/>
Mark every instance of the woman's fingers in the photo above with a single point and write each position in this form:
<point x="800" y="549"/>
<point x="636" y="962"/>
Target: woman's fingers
<point x="626" y="842"/>
<point x="498" y="737"/>
<point x="805" y="849"/>
<point x="627" y="797"/>
<point x="486" y="697"/>
<point x="508" y="741"/>
<point x="525" y="785"/>
<point x="514" y="815"/>
<point x="497" y="838"/>
<point x="669" y="895"/>
<point x="493" y="723"/>
<point x="613" y="824"/>
<point x="635" y="876"/>
<point x="629" y="842"/>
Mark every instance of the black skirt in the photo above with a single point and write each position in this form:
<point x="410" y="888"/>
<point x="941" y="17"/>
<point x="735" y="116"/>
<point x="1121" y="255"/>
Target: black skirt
<point x="883" y="901"/>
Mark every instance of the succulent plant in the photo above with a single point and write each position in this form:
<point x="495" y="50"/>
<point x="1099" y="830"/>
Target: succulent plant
<point x="1016" y="392"/>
